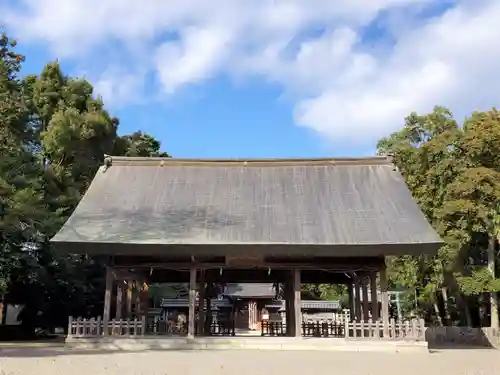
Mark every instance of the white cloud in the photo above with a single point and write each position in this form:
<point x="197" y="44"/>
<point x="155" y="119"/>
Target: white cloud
<point x="198" y="54"/>
<point x="119" y="87"/>
<point x="344" y="87"/>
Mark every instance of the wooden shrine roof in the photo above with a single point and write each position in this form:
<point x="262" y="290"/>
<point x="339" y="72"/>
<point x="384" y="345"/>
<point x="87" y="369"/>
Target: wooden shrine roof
<point x="333" y="207"/>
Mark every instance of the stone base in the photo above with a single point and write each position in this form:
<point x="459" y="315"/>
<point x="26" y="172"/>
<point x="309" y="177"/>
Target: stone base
<point x="242" y="343"/>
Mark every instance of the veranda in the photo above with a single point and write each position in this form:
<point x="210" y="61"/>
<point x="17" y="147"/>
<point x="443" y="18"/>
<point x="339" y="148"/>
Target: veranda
<point x="211" y="222"/>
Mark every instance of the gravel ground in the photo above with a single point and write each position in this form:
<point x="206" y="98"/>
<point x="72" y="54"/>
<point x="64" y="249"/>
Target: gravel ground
<point x="53" y="361"/>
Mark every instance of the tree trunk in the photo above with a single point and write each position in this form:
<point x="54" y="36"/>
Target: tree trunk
<point x="2" y="307"/>
<point x="493" y="294"/>
<point x="438" y="313"/>
<point x="465" y="306"/>
<point x="444" y="294"/>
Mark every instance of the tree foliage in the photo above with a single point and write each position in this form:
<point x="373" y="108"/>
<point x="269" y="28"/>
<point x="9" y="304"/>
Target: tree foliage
<point x="54" y="133"/>
<point x="453" y="173"/>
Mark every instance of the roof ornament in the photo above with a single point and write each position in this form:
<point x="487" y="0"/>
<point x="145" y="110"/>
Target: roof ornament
<point x="108" y="161"/>
<point x="390" y="158"/>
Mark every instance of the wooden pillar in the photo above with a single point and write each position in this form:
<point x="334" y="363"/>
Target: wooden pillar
<point x="107" y="298"/>
<point x="385" y="301"/>
<point x="201" y="304"/>
<point x="144" y="298"/>
<point x="374" y="296"/>
<point x="350" y="291"/>
<point x="364" y="285"/>
<point x="297" y="303"/>
<point x="289" y="309"/>
<point x="357" y="299"/>
<point x="192" y="302"/>
<point x="119" y="299"/>
<point x="128" y="299"/>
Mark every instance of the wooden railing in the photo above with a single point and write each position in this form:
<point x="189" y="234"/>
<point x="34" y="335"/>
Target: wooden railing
<point x="272" y="328"/>
<point x="81" y="327"/>
<point x="222" y="328"/>
<point x="413" y="329"/>
<point x="163" y="327"/>
<point x="405" y="330"/>
<point x="323" y="329"/>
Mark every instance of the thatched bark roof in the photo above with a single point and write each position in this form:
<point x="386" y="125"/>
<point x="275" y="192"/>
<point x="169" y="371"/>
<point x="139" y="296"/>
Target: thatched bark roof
<point x="343" y="206"/>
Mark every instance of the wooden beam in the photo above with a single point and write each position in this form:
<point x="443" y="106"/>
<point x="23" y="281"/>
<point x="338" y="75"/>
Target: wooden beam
<point x="364" y="285"/>
<point x="289" y="306"/>
<point x="107" y="298"/>
<point x="297" y="303"/>
<point x="119" y="299"/>
<point x="385" y="301"/>
<point x="201" y="304"/>
<point x="374" y="296"/>
<point x="192" y="302"/>
<point x="357" y="299"/>
<point x="128" y="300"/>
<point x="354" y="265"/>
<point x="350" y="292"/>
<point x="144" y="298"/>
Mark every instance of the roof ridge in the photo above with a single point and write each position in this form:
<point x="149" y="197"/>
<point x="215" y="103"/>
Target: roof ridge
<point x="270" y="162"/>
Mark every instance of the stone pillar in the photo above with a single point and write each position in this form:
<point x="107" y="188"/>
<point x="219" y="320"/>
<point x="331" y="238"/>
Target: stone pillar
<point x="192" y="302"/>
<point x="374" y="296"/>
<point x="385" y="301"/>
<point x="366" y="304"/>
<point x="297" y="303"/>
<point x="357" y="299"/>
<point x="107" y="298"/>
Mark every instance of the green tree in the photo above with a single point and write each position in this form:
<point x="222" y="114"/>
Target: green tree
<point x="423" y="152"/>
<point x="138" y="144"/>
<point x="21" y="191"/>
<point x="470" y="211"/>
<point x="53" y="136"/>
<point x="453" y="173"/>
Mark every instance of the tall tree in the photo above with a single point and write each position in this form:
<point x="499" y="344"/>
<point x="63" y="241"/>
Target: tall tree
<point x="453" y="173"/>
<point x="138" y="144"/>
<point x="471" y="208"/>
<point x="21" y="197"/>
<point x="422" y="151"/>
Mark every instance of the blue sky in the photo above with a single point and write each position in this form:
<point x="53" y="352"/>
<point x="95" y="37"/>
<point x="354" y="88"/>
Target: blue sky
<point x="268" y="78"/>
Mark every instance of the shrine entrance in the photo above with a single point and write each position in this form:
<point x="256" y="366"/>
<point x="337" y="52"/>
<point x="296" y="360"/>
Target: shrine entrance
<point x="212" y="223"/>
